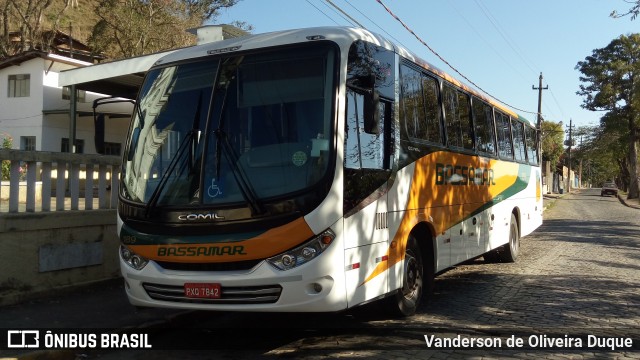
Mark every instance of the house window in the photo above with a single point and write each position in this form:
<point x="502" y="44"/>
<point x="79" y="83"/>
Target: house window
<point x="28" y="143"/>
<point x="81" y="95"/>
<point x="112" y="148"/>
<point x="64" y="146"/>
<point x="19" y="85"/>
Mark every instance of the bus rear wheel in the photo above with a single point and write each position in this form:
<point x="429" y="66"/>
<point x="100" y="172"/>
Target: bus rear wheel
<point x="406" y="301"/>
<point x="507" y="253"/>
<point x="510" y="251"/>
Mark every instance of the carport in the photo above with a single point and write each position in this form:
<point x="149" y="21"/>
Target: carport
<point x="118" y="79"/>
<point x="122" y="78"/>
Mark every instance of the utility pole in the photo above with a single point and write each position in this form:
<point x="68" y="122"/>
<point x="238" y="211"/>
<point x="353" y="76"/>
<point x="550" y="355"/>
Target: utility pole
<point x="539" y="88"/>
<point x="569" y="143"/>
<point x="546" y="167"/>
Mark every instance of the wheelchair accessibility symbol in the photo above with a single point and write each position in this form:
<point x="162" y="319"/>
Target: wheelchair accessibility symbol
<point x="214" y="190"/>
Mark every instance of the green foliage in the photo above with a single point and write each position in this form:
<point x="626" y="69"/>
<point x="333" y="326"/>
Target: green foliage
<point x="128" y="28"/>
<point x="634" y="11"/>
<point x="551" y="142"/>
<point x="610" y="82"/>
<point x="7" y="143"/>
<point x="598" y="150"/>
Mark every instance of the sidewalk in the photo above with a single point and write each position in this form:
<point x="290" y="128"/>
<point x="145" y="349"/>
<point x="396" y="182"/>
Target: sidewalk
<point x="634" y="203"/>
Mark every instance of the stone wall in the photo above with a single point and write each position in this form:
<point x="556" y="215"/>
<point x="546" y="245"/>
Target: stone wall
<point x="44" y="252"/>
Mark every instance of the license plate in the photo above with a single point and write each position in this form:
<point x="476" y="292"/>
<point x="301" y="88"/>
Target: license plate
<point x="202" y="291"/>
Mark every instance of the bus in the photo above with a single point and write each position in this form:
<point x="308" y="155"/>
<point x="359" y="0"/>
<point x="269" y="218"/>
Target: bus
<point x="315" y="170"/>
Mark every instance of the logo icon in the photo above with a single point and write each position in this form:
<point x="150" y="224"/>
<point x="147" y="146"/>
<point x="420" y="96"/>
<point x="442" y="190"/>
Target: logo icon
<point x="23" y="339"/>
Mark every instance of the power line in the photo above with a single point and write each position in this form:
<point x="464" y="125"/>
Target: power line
<point x="488" y="43"/>
<point x="446" y="62"/>
<point x="346" y="19"/>
<point x="504" y="35"/>
<point x="374" y="23"/>
<point x="323" y="13"/>
<point x="526" y="60"/>
<point x="344" y="13"/>
<point x="557" y="104"/>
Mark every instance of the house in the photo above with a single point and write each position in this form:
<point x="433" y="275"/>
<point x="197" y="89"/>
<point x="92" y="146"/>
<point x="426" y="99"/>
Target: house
<point x="35" y="111"/>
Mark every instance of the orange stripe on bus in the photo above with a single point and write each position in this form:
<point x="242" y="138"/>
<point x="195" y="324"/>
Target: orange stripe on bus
<point x="267" y="244"/>
<point x="426" y="198"/>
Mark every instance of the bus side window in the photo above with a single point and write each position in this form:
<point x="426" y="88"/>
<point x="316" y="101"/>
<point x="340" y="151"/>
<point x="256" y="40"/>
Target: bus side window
<point x="532" y="145"/>
<point x="483" y="117"/>
<point x="503" y="128"/>
<point x="419" y="106"/>
<point x="458" y="118"/>
<point x="518" y="140"/>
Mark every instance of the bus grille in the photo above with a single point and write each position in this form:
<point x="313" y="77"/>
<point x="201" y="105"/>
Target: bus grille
<point x="268" y="294"/>
<point x="229" y="266"/>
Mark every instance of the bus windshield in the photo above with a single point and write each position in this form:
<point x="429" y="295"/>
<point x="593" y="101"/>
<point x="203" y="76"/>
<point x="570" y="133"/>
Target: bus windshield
<point x="238" y="129"/>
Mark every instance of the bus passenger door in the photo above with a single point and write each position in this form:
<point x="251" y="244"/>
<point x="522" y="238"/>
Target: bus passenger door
<point x="366" y="245"/>
<point x="367" y="164"/>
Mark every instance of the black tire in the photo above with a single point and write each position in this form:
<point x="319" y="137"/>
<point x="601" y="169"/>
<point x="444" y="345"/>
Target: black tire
<point x="492" y="256"/>
<point x="507" y="253"/>
<point x="408" y="298"/>
<point x="511" y="250"/>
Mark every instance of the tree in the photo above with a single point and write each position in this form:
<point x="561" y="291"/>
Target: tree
<point x="611" y="82"/>
<point x="135" y="27"/>
<point x="634" y="11"/>
<point x="24" y="21"/>
<point x="601" y="153"/>
<point x="551" y="142"/>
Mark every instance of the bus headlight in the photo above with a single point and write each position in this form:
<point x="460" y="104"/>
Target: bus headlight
<point x="132" y="259"/>
<point x="303" y="253"/>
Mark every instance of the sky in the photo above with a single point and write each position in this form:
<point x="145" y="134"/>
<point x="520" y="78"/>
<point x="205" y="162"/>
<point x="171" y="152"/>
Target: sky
<point x="501" y="45"/>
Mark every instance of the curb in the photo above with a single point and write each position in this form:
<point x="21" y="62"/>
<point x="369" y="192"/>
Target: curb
<point x="625" y="203"/>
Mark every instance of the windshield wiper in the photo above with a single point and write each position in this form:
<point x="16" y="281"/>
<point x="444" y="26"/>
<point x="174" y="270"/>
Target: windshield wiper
<point x="247" y="190"/>
<point x="224" y="146"/>
<point x="185" y="144"/>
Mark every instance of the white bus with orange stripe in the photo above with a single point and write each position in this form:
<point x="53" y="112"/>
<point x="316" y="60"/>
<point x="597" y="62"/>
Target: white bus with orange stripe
<point x="315" y="170"/>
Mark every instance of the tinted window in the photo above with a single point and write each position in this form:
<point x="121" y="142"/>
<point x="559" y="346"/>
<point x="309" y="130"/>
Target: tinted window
<point x="518" y="140"/>
<point x="532" y="145"/>
<point x="503" y="128"/>
<point x="483" y="117"/>
<point x="419" y="106"/>
<point x="458" y="118"/>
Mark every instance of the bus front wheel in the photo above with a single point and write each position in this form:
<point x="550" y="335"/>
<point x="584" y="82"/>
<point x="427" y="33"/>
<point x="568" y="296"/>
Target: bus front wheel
<point x="407" y="299"/>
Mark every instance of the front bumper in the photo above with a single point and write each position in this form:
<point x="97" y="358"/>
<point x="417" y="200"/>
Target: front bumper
<point x="313" y="287"/>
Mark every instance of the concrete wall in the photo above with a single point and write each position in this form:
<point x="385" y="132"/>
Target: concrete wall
<point x="45" y="252"/>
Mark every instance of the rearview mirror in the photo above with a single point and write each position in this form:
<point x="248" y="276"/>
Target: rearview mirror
<point x="98" y="123"/>
<point x="371" y="112"/>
